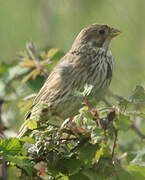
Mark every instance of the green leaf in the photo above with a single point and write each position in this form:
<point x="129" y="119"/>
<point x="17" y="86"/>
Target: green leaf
<point x="102" y="152"/>
<point x="87" y="153"/>
<point x="10" y="146"/>
<point x="137" y="170"/>
<point x="78" y="176"/>
<point x="130" y="156"/>
<point x="138" y="94"/>
<point x="27" y="140"/>
<point x="70" y="166"/>
<point x="97" y="135"/>
<point x="84" y="109"/>
<point x="62" y="177"/>
<point x="120" y="174"/>
<point x="123" y="122"/>
<point x="4" y="67"/>
<point x="32" y="124"/>
<point x="54" y="122"/>
<point x="23" y="163"/>
<point x="37" y="83"/>
<point x="92" y="175"/>
<point x="123" y="103"/>
<point x="14" y="172"/>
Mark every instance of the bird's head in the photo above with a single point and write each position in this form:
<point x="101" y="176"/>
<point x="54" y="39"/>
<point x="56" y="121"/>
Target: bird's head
<point x="97" y="35"/>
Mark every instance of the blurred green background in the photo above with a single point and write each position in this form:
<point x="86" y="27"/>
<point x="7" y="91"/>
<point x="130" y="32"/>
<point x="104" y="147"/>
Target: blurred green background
<point x="57" y="22"/>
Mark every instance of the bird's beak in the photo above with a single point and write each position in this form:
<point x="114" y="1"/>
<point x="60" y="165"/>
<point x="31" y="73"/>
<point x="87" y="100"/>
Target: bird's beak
<point x="114" y="32"/>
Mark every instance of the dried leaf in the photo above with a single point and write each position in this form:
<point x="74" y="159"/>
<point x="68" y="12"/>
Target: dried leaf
<point x="52" y="52"/>
<point x="33" y="74"/>
<point x="28" y="63"/>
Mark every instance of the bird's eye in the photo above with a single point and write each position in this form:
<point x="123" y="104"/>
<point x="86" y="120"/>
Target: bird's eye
<point x="102" y="31"/>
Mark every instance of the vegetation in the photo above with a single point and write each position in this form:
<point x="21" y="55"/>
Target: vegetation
<point x="90" y="147"/>
<point x="108" y="140"/>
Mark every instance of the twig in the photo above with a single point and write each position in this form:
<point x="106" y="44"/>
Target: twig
<point x="114" y="144"/>
<point x="31" y="51"/>
<point x="115" y="96"/>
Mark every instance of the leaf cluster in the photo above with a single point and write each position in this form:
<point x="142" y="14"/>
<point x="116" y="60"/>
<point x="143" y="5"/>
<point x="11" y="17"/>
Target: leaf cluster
<point x="91" y="146"/>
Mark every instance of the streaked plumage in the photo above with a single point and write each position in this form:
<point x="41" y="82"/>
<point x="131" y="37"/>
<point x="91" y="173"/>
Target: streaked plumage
<point x="89" y="61"/>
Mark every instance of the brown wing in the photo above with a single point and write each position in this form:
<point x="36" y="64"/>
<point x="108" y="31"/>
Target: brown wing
<point x="60" y="80"/>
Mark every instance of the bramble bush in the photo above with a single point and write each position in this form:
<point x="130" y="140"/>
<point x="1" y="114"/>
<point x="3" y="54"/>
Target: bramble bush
<point x="96" y="144"/>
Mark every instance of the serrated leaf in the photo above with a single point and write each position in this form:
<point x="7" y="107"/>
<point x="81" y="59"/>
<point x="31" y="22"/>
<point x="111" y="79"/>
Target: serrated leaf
<point x="10" y="146"/>
<point x="32" y="124"/>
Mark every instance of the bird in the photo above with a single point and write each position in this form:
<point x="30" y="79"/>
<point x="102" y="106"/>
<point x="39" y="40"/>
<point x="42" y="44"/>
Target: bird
<point x="88" y="62"/>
